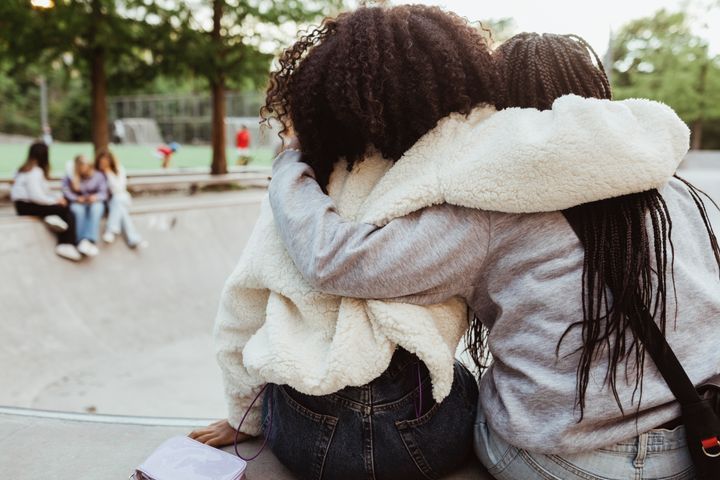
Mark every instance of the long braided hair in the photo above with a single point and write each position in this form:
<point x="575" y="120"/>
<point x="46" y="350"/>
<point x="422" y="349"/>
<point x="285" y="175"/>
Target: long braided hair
<point x="628" y="245"/>
<point x="378" y="77"/>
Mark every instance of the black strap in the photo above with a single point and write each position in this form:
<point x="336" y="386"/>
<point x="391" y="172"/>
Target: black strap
<point x="655" y="343"/>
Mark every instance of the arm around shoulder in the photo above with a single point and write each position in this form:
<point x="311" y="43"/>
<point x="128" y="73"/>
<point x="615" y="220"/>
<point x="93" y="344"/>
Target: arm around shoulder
<point x="433" y="253"/>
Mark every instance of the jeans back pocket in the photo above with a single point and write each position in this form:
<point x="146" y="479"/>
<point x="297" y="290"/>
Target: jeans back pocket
<point x="299" y="437"/>
<point x="441" y="440"/>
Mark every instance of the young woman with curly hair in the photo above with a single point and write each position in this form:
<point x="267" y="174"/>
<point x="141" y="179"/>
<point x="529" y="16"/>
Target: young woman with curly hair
<point x="568" y="394"/>
<point x="392" y="110"/>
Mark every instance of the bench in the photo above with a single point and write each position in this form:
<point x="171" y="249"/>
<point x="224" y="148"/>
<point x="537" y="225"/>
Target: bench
<point x="137" y="182"/>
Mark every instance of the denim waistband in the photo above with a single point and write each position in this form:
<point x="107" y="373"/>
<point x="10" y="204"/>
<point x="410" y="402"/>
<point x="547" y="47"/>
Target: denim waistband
<point x="660" y="440"/>
<point x="391" y="390"/>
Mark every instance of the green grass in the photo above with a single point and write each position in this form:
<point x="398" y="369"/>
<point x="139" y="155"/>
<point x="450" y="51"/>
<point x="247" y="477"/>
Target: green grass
<point x="133" y="157"/>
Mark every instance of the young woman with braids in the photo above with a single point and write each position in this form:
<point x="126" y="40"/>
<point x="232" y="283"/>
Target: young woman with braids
<point x="343" y="395"/>
<point x="568" y="394"/>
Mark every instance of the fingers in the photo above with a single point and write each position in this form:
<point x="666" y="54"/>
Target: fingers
<point x="200" y="432"/>
<point x="206" y="437"/>
<point x="196" y="433"/>
<point x="212" y="437"/>
<point x="217" y="434"/>
<point x="220" y="441"/>
<point x="213" y="427"/>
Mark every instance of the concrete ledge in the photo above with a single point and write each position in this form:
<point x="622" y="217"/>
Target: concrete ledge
<point x="58" y="446"/>
<point x="193" y="181"/>
<point x="165" y="203"/>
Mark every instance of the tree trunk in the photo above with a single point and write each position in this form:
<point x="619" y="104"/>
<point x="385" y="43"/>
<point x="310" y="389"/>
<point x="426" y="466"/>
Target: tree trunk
<point x="219" y="160"/>
<point x="696" y="135"/>
<point x="98" y="95"/>
<point x="98" y="84"/>
<point x="217" y="85"/>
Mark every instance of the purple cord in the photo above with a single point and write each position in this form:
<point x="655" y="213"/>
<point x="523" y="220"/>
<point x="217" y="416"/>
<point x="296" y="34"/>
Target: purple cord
<point x="418" y="409"/>
<point x="237" y="430"/>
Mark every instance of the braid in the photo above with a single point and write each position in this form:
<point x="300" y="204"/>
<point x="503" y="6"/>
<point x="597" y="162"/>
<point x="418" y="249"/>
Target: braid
<point x="628" y="240"/>
<point x="537" y="69"/>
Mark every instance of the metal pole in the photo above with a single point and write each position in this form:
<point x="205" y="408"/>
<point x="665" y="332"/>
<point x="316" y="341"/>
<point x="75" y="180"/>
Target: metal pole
<point x="44" y="123"/>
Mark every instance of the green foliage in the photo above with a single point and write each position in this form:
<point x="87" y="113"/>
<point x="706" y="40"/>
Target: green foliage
<point x="19" y="98"/>
<point x="238" y="49"/>
<point x="659" y="57"/>
<point x="500" y="29"/>
<point x="153" y="46"/>
<point x="60" y="43"/>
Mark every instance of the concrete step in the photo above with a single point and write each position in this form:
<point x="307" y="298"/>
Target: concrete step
<point x="58" y="446"/>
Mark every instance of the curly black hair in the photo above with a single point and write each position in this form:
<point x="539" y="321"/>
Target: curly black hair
<point x="378" y="78"/>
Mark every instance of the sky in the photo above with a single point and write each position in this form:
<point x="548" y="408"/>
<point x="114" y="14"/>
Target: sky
<point x="592" y="20"/>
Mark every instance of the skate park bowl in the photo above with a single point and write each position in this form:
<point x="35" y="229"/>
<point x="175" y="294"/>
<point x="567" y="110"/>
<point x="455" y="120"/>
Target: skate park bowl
<point x="105" y="359"/>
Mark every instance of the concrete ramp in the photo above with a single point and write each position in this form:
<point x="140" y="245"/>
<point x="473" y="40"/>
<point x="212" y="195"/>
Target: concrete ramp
<point x="128" y="332"/>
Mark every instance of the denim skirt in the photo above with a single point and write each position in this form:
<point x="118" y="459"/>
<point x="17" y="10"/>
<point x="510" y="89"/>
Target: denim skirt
<point x="388" y="429"/>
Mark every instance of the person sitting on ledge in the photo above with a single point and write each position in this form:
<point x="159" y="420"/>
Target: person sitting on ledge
<point x="86" y="190"/>
<point x="119" y="219"/>
<point x="32" y="196"/>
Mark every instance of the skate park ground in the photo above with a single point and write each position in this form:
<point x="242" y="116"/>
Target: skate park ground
<point x="123" y="341"/>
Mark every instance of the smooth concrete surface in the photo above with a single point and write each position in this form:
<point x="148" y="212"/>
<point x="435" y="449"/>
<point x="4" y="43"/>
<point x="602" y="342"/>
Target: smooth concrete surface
<point x="91" y="447"/>
<point x="127" y="332"/>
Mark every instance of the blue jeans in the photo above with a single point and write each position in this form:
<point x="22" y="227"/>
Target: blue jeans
<point x="657" y="454"/>
<point x="119" y="221"/>
<point x="375" y="431"/>
<point x="87" y="219"/>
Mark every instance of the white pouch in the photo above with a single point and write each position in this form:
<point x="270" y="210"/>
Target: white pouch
<point x="182" y="458"/>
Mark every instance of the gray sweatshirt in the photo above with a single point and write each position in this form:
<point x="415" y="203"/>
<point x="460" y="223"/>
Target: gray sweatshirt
<point x="521" y="275"/>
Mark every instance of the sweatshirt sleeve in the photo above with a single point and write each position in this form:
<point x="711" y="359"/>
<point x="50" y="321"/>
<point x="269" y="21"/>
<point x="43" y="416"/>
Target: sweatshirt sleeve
<point x="37" y="189"/>
<point x="425" y="257"/>
<point x="68" y="191"/>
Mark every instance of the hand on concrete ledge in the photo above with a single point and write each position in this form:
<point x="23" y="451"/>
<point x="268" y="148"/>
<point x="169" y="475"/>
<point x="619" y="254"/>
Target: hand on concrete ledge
<point x="218" y="434"/>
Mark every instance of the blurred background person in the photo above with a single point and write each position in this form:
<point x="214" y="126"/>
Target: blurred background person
<point x="119" y="220"/>
<point x="86" y="190"/>
<point x="165" y="153"/>
<point x="32" y="196"/>
<point x="242" y="142"/>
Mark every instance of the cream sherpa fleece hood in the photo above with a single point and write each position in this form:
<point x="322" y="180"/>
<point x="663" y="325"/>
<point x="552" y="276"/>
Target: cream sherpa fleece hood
<point x="272" y="327"/>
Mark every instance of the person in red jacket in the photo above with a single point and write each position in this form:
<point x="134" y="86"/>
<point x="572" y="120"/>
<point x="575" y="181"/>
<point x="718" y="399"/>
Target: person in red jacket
<point x="165" y="153"/>
<point x="242" y="142"/>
